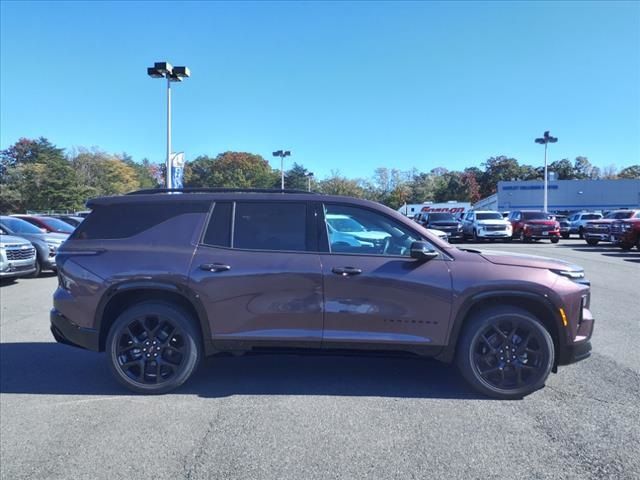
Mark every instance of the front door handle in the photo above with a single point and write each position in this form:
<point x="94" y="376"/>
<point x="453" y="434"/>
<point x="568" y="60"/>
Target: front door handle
<point x="346" y="271"/>
<point x="215" y="267"/>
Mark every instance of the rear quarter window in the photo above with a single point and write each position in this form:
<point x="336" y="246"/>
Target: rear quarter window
<point x="108" y="222"/>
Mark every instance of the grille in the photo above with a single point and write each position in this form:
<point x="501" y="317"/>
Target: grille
<point x="22" y="254"/>
<point x="598" y="228"/>
<point x="616" y="228"/>
<point x="495" y="228"/>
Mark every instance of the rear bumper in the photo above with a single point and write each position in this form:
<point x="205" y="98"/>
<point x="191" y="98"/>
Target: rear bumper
<point x="65" y="331"/>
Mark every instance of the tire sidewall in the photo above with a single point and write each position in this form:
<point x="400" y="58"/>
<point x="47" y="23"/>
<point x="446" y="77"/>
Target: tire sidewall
<point x="465" y="352"/>
<point x="182" y="320"/>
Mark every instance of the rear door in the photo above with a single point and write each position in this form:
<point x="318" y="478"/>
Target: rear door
<point x="258" y="274"/>
<point x="375" y="294"/>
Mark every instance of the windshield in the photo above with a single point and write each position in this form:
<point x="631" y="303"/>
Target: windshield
<point x="620" y="215"/>
<point x="441" y="217"/>
<point x="345" y="224"/>
<point x="58" y="225"/>
<point x="536" y="216"/>
<point x="591" y="216"/>
<point x="489" y="216"/>
<point x="17" y="225"/>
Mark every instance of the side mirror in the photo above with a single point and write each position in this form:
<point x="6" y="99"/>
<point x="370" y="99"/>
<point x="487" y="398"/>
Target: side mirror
<point x="421" y="251"/>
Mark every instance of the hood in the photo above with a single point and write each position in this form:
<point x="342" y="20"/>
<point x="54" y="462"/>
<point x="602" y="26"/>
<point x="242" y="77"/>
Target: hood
<point x="523" y="260"/>
<point x="494" y="221"/>
<point x="45" y="237"/>
<point x="602" y="221"/>
<point x="7" y="240"/>
<point x="373" y="235"/>
<point x="443" y="223"/>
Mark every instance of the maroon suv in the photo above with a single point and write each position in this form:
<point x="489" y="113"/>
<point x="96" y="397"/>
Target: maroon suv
<point x="530" y="225"/>
<point x="181" y="276"/>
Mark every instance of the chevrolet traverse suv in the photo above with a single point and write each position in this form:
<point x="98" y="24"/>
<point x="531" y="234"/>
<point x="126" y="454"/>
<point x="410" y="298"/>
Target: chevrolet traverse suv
<point x="192" y="273"/>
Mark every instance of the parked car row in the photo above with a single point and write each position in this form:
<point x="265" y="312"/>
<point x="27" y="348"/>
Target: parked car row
<point x="523" y="225"/>
<point x="29" y="243"/>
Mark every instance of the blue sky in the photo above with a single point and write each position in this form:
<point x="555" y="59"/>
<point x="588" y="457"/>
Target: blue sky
<point x="346" y="86"/>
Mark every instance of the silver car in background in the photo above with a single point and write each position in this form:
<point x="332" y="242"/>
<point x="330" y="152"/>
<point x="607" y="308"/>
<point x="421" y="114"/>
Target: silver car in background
<point x="483" y="224"/>
<point x="17" y="257"/>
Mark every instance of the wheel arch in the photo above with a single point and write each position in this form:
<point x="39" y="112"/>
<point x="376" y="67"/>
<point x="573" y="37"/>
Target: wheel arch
<point x="119" y="297"/>
<point x="536" y="304"/>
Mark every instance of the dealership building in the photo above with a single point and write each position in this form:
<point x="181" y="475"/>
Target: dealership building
<point x="564" y="195"/>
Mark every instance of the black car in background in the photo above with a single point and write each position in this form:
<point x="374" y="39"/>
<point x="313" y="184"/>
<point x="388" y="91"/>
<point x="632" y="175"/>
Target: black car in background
<point x="72" y="220"/>
<point x="443" y="221"/>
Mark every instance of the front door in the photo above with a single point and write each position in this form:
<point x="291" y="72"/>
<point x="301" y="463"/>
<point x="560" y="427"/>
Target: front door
<point x="375" y="293"/>
<point x="258" y="274"/>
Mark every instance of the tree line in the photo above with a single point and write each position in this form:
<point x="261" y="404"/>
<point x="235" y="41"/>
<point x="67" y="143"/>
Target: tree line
<point x="36" y="175"/>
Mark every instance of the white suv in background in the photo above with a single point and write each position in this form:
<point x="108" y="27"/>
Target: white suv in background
<point x="483" y="224"/>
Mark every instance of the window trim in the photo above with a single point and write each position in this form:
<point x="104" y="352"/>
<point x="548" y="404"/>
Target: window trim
<point x="323" y="231"/>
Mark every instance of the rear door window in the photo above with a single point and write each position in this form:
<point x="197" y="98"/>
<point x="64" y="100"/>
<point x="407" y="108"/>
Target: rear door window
<point x="219" y="230"/>
<point x="271" y="226"/>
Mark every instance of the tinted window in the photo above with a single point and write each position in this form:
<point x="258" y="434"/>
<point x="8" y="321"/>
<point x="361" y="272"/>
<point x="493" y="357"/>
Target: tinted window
<point x="489" y="216"/>
<point x="270" y="226"/>
<point x="17" y="225"/>
<point x="126" y="220"/>
<point x="441" y="217"/>
<point x="535" y="216"/>
<point x="219" y="229"/>
<point x="591" y="216"/>
<point x="376" y="234"/>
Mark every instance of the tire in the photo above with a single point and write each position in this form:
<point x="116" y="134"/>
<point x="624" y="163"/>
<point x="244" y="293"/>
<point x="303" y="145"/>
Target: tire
<point x="581" y="232"/>
<point x="626" y="246"/>
<point x="508" y="239"/>
<point x="555" y="239"/>
<point x="475" y="236"/>
<point x="179" y="347"/>
<point x="565" y="236"/>
<point x="38" y="270"/>
<point x="483" y="346"/>
<point x="592" y="241"/>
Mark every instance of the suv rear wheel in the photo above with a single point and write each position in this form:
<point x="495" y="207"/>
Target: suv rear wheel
<point x="505" y="353"/>
<point x="153" y="347"/>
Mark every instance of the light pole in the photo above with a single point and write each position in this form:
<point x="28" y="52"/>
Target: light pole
<point x="281" y="154"/>
<point x="172" y="74"/>
<point x="309" y="177"/>
<point x="546" y="139"/>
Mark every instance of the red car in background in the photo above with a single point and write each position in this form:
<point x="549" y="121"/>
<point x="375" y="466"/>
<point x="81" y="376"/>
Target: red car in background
<point x="531" y="225"/>
<point x="626" y="233"/>
<point x="47" y="224"/>
<point x="596" y="231"/>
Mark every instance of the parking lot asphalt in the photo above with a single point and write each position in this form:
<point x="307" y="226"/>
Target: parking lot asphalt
<point x="62" y="416"/>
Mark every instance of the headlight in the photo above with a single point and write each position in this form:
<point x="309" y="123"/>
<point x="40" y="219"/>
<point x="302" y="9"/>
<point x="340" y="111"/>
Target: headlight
<point x="459" y="227"/>
<point x="626" y="227"/>
<point x="53" y="248"/>
<point x="571" y="274"/>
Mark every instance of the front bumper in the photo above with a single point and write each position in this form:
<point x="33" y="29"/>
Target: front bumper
<point x="65" y="331"/>
<point x="580" y="348"/>
<point x="494" y="234"/>
<point x="603" y="237"/>
<point x="17" y="270"/>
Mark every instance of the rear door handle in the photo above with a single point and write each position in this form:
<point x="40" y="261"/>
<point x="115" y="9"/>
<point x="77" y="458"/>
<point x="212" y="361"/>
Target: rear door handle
<point x="215" y="267"/>
<point x="346" y="271"/>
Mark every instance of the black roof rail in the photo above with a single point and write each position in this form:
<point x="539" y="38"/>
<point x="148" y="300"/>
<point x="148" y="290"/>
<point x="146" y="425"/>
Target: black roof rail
<point x="215" y="190"/>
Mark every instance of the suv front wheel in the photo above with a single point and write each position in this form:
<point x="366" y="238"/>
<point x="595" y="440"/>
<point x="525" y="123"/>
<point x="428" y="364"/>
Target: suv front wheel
<point x="505" y="353"/>
<point x="153" y="347"/>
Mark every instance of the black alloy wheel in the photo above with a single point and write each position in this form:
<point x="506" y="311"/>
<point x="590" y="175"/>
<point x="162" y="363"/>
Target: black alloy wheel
<point x="153" y="347"/>
<point x="506" y="353"/>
